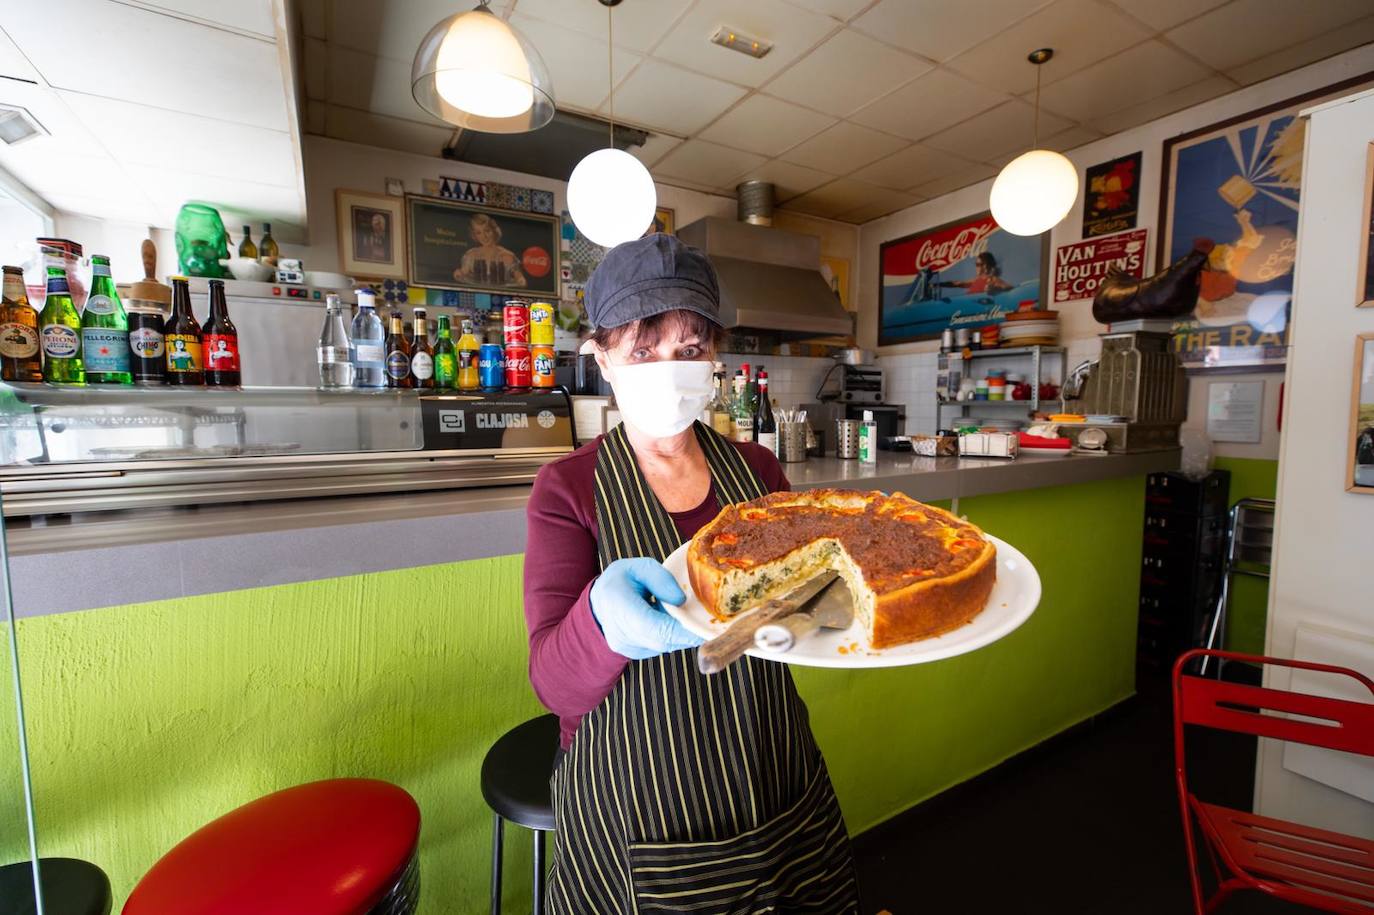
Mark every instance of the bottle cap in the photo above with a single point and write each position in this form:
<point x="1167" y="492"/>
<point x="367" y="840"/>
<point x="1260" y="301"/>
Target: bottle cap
<point x="868" y="416"/>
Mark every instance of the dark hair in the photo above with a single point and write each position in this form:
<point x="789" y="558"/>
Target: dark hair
<point x="987" y="260"/>
<point x="651" y="330"/>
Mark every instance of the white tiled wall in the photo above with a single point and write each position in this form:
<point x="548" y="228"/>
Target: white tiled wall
<point x="910" y="380"/>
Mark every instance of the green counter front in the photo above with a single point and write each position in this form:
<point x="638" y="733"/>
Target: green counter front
<point x="148" y="720"/>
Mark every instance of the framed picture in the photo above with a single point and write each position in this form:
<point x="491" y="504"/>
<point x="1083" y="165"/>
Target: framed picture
<point x="371" y="234"/>
<point x="1238" y="183"/>
<point x="1364" y="291"/>
<point x="665" y="221"/>
<point x="1359" y="472"/>
<point x="836" y="273"/>
<point x="465" y="246"/>
<point x="965" y="273"/>
<point x="1111" y="196"/>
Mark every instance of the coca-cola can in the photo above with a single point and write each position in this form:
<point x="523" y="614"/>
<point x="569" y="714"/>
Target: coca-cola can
<point x="543" y="362"/>
<point x="517" y="366"/>
<point x="517" y="323"/>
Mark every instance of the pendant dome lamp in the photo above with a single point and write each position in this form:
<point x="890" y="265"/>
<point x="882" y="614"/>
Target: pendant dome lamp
<point x="1037" y="189"/>
<point x="476" y="71"/>
<point x="611" y="196"/>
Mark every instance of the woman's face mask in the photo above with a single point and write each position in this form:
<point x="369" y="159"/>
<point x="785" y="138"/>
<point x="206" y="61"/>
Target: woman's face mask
<point x="661" y="398"/>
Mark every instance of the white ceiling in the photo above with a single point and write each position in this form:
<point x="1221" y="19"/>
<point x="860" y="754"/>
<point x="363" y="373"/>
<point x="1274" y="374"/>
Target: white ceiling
<point x="863" y="106"/>
<point x="204" y="112"/>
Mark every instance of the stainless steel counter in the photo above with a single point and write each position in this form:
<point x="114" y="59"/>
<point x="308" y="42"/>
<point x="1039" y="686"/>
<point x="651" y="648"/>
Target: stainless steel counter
<point x="112" y="558"/>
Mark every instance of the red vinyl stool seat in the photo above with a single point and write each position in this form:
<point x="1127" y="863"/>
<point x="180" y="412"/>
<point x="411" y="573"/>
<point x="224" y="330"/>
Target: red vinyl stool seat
<point x="336" y="847"/>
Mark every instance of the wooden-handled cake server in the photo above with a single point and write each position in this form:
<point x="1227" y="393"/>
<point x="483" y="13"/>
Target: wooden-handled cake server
<point x="723" y="650"/>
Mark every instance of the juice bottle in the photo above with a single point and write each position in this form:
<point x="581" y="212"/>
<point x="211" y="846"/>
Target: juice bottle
<point x="467" y="347"/>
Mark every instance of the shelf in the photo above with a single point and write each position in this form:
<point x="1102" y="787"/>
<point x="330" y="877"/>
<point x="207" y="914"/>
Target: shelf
<point x="1013" y="351"/>
<point x="1026" y="404"/>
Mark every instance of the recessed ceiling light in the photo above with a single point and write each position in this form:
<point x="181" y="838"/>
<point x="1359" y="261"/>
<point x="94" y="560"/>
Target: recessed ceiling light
<point x="17" y="125"/>
<point x="738" y="41"/>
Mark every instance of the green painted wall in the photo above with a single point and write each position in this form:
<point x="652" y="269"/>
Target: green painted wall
<point x="148" y="720"/>
<point x="1245" y="624"/>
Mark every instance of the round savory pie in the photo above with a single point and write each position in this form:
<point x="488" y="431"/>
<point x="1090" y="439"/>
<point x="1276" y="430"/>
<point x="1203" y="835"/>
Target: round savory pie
<point x="914" y="570"/>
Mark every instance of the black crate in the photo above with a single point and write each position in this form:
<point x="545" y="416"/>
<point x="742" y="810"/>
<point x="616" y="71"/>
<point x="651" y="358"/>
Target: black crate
<point x="1172" y="491"/>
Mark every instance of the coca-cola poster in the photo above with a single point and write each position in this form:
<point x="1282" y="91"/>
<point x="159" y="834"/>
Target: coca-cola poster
<point x="1081" y="267"/>
<point x="965" y="273"/>
<point x="464" y="246"/>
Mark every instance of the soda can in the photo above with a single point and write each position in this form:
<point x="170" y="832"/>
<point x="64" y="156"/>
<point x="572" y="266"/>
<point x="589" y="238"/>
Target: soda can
<point x="541" y="324"/>
<point x="517" y="366"/>
<point x="542" y="363"/>
<point x="517" y="321"/>
<point x="147" y="350"/>
<point x="491" y="367"/>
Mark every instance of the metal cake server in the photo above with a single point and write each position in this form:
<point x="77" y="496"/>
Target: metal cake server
<point x="833" y="608"/>
<point x="723" y="650"/>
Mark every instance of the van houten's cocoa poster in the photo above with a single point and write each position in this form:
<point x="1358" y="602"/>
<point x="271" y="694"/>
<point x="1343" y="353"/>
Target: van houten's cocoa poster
<point x="1081" y="267"/>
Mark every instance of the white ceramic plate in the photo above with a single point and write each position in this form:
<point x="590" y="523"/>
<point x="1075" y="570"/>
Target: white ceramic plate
<point x="1013" y="599"/>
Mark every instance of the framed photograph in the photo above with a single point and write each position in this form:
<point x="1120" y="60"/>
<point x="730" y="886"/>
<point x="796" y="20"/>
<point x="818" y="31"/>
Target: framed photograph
<point x="1238" y="183"/>
<point x="1364" y="291"/>
<point x="1359" y="472"/>
<point x="1111" y="196"/>
<point x="465" y="246"/>
<point x="965" y="273"/>
<point x="371" y="234"/>
<point x="665" y="221"/>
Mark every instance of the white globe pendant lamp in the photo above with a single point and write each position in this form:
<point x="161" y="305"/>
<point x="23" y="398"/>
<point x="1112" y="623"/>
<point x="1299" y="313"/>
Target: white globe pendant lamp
<point x="1036" y="190"/>
<point x="611" y="196"/>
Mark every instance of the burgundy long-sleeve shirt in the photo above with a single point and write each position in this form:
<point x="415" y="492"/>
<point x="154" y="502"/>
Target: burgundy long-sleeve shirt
<point x="571" y="666"/>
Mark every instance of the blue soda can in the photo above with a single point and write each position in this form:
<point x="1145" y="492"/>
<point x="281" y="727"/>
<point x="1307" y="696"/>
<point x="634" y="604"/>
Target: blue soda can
<point x="491" y="367"/>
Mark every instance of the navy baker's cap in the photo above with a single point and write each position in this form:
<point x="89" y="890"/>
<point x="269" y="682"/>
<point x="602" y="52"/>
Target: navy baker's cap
<point x="648" y="276"/>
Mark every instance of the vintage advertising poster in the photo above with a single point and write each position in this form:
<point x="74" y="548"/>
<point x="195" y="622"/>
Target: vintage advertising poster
<point x="965" y="273"/>
<point x="481" y="249"/>
<point x="1079" y="268"/>
<point x="1111" y="196"/>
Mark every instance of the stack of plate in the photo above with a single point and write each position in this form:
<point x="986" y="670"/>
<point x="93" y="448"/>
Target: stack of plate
<point x="1027" y="328"/>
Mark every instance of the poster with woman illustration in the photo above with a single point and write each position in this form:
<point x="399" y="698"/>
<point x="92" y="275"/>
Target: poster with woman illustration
<point x="482" y="249"/>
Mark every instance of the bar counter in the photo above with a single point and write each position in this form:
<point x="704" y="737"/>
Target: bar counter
<point x="85" y="562"/>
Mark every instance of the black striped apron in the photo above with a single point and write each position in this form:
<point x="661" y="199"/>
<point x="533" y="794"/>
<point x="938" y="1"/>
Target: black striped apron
<point x="688" y="793"/>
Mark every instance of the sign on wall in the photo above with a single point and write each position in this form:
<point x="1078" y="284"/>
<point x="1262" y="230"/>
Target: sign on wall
<point x="1081" y="267"/>
<point x="1111" y="198"/>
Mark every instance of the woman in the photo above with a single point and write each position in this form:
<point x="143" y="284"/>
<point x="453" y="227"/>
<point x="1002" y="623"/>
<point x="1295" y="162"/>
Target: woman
<point x="488" y="264"/>
<point x="987" y="276"/>
<point x="674" y="791"/>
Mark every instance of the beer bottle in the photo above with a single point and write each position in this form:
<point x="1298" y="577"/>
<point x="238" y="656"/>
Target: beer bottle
<point x="246" y="247"/>
<point x="221" y="342"/>
<point x="105" y="329"/>
<point x="185" y="362"/>
<point x="421" y="355"/>
<point x="149" y="352"/>
<point x="445" y="359"/>
<point x="397" y="354"/>
<point x="19" y="359"/>
<point x="468" y="379"/>
<point x="267" y="251"/>
<point x="61" y="330"/>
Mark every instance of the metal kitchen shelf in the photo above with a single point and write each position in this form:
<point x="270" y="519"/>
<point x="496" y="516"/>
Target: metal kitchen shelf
<point x="1015" y="351"/>
<point x="1036" y="353"/>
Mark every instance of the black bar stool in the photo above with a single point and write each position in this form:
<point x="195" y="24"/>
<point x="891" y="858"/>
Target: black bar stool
<point x="515" y="784"/>
<point x="70" y="887"/>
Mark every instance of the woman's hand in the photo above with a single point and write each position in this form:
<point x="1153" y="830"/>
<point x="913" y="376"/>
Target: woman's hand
<point x="633" y="627"/>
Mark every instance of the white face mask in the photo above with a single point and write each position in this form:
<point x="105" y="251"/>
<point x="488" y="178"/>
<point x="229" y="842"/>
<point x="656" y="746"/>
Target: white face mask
<point x="661" y="399"/>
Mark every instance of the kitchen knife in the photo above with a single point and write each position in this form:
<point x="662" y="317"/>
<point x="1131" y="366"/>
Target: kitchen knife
<point x="833" y="608"/>
<point x="726" y="648"/>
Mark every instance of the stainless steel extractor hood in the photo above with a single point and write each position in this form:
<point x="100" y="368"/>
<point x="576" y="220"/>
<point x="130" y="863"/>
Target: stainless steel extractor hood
<point x="769" y="279"/>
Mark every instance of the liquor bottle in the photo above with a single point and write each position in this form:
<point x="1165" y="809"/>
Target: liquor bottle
<point x="246" y="247"/>
<point x="721" y="420"/>
<point x="105" y="329"/>
<point x="181" y="338"/>
<point x="421" y="355"/>
<point x="765" y="424"/>
<point x="445" y="358"/>
<point x="367" y="344"/>
<point x="336" y="368"/>
<point x="19" y="359"/>
<point x="267" y="251"/>
<point x="221" y="342"/>
<point x="61" y="330"/>
<point x="468" y="379"/>
<point x="397" y="354"/>
<point x="744" y="407"/>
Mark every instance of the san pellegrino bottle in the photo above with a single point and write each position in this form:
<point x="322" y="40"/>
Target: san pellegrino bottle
<point x="61" y="330"/>
<point x="105" y="329"/>
<point x="468" y="347"/>
<point x="367" y="343"/>
<point x="336" y="369"/>
<point x="445" y="358"/>
<point x="19" y="358"/>
<point x="246" y="247"/>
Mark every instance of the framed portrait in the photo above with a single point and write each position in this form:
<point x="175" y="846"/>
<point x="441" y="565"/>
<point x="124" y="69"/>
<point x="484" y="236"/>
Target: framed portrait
<point x="965" y="273"/>
<point x="371" y="234"/>
<point x="465" y="246"/>
<point x="1238" y="183"/>
<point x="665" y="221"/>
<point x="1111" y="196"/>
<point x="1359" y="473"/>
<point x="1364" y="291"/>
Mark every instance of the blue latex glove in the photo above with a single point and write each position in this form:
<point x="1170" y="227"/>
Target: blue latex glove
<point x="634" y="627"/>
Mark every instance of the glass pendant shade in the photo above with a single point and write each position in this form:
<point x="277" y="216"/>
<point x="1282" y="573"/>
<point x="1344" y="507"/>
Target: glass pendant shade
<point x="476" y="71"/>
<point x="611" y="197"/>
<point x="1034" y="192"/>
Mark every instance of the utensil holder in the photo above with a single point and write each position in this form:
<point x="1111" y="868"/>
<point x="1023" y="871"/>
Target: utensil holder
<point x="847" y="439"/>
<point x="792" y="442"/>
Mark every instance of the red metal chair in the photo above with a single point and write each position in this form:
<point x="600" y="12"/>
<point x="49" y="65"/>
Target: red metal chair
<point x="1313" y="867"/>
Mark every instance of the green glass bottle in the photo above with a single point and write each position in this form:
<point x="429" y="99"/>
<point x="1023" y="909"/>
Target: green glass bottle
<point x="105" y="329"/>
<point x="60" y="327"/>
<point x="445" y="357"/>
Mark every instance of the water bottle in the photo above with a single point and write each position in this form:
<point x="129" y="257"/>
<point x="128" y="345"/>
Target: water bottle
<point x="336" y="371"/>
<point x="367" y="349"/>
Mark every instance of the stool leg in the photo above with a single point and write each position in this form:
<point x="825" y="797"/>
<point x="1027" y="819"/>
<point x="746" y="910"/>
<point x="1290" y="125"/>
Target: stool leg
<point x="538" y="872"/>
<point x="497" y="831"/>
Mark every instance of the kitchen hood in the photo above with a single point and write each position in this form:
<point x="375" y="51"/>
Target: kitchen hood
<point x="769" y="279"/>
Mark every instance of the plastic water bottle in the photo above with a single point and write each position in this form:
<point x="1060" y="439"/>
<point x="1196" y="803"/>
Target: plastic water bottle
<point x="336" y="371"/>
<point x="367" y="349"/>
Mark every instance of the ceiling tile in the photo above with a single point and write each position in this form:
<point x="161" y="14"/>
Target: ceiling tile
<point x="247" y="15"/>
<point x="663" y="96"/>
<point x="1159" y="106"/>
<point x="370" y="83"/>
<point x="392" y="28"/>
<point x="637" y="25"/>
<point x="14" y="64"/>
<point x="912" y="166"/>
<point x="1081" y="32"/>
<point x="1165" y="14"/>
<point x="315" y="68"/>
<point x="788" y="180"/>
<point x="1063" y="141"/>
<point x="839" y="196"/>
<point x="569" y="56"/>
<point x="845" y="73"/>
<point x="837" y="9"/>
<point x="843" y="148"/>
<point x="655" y="147"/>
<point x="66" y="131"/>
<point x="954" y="182"/>
<point x="939" y="29"/>
<point x="1116" y="82"/>
<point x="389" y="133"/>
<point x="251" y="201"/>
<point x="896" y="200"/>
<point x="312" y="18"/>
<point x="1245" y="30"/>
<point x="134" y="207"/>
<point x="766" y="125"/>
<point x="706" y="163"/>
<point x="1306" y="52"/>
<point x="988" y="135"/>
<point x="928" y="105"/>
<point x="792" y="31"/>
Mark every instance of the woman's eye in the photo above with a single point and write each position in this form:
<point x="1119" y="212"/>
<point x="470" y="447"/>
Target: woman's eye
<point x="689" y="352"/>
<point x="639" y="355"/>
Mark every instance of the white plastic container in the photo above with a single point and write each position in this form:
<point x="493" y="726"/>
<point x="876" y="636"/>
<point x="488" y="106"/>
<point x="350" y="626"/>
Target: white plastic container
<point x="868" y="439"/>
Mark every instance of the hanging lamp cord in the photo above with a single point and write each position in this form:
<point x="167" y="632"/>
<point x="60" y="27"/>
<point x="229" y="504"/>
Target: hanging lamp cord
<point x="610" y="76"/>
<point x="1035" y="129"/>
